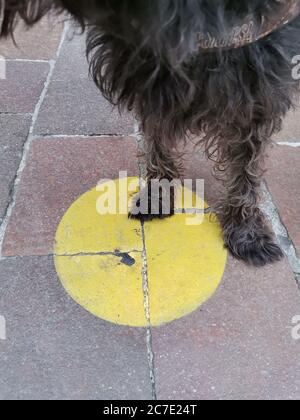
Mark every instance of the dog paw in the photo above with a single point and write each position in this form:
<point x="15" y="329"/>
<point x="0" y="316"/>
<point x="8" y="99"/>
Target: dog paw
<point x="257" y="248"/>
<point x="147" y="207"/>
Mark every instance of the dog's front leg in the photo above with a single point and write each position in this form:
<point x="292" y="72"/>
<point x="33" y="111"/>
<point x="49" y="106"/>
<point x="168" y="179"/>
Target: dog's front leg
<point x="163" y="176"/>
<point x="246" y="232"/>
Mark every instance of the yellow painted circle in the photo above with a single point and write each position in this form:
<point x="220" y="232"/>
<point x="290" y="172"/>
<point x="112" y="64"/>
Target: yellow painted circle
<point x="102" y="261"/>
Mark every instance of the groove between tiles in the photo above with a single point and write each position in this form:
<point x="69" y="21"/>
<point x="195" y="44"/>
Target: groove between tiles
<point x="27" y="143"/>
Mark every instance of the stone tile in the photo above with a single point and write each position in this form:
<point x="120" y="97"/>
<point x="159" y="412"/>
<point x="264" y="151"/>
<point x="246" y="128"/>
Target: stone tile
<point x="291" y="128"/>
<point x="38" y="43"/>
<point x="56" y="350"/>
<point x="71" y="110"/>
<point x="238" y="345"/>
<point x="283" y="181"/>
<point x="73" y="104"/>
<point x="21" y="89"/>
<point x="14" y="131"/>
<point x="58" y="171"/>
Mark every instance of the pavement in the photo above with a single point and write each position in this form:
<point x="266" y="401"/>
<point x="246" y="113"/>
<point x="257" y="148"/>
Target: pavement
<point x="234" y="338"/>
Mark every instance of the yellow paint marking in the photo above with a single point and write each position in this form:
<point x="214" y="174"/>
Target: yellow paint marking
<point x="98" y="259"/>
<point x="84" y="230"/>
<point x="106" y="287"/>
<point x="185" y="266"/>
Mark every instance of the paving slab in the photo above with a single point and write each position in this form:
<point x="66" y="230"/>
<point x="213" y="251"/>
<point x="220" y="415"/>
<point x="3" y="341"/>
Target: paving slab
<point x="14" y="131"/>
<point x="21" y="89"/>
<point x="283" y="182"/>
<point x="38" y="43"/>
<point x="236" y="346"/>
<point x="291" y="128"/>
<point x="58" y="171"/>
<point x="55" y="350"/>
<point x="73" y="104"/>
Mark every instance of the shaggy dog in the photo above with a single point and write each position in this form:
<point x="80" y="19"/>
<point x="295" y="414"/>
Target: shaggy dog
<point x="222" y="68"/>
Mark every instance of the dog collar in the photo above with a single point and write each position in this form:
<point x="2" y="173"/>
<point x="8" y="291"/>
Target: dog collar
<point x="250" y="30"/>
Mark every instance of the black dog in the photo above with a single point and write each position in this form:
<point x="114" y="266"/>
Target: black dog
<point x="219" y="67"/>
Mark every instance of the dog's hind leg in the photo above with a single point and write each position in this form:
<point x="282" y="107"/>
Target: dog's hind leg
<point x="246" y="232"/>
<point x="163" y="176"/>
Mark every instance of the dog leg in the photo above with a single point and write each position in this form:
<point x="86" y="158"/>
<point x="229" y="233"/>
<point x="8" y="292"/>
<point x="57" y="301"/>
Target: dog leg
<point x="246" y="232"/>
<point x="164" y="175"/>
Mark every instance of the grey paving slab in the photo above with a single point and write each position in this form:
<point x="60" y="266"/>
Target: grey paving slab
<point x="38" y="43"/>
<point x="239" y="345"/>
<point x="21" y="89"/>
<point x="73" y="104"/>
<point x="14" y="131"/>
<point x="54" y="349"/>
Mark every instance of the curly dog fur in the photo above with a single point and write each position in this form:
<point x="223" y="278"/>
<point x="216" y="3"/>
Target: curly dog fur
<point x="145" y="57"/>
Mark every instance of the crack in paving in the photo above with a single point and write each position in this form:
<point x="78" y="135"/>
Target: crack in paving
<point x="125" y="257"/>
<point x="120" y="254"/>
<point x="145" y="279"/>
<point x="148" y="315"/>
<point x="289" y="144"/>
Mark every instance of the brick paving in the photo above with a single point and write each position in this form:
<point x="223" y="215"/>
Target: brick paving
<point x="58" y="138"/>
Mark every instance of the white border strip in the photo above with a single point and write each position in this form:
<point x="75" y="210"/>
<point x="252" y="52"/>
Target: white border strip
<point x="28" y="142"/>
<point x="289" y="144"/>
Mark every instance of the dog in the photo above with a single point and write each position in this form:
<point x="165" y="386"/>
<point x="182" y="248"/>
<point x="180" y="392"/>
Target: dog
<point x="222" y="68"/>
